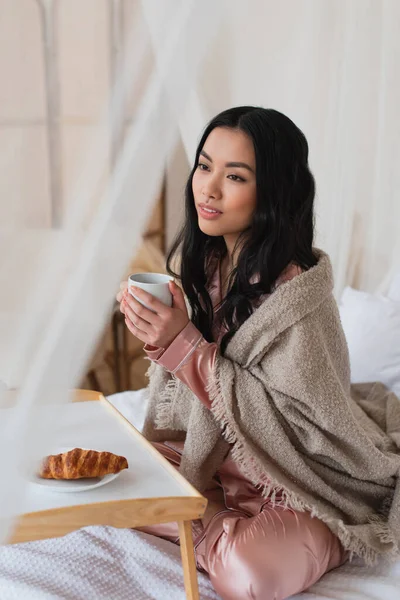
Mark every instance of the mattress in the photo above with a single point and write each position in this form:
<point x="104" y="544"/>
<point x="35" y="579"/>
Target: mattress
<point x="97" y="563"/>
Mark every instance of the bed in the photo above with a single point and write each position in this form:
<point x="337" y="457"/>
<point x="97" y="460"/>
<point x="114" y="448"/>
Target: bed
<point x="97" y="563"/>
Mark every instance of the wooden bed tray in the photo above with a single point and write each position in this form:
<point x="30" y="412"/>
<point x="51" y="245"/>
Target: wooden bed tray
<point x="151" y="491"/>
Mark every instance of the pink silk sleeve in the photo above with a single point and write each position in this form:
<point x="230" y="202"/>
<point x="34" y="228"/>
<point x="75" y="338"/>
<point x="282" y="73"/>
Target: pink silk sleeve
<point x="190" y="358"/>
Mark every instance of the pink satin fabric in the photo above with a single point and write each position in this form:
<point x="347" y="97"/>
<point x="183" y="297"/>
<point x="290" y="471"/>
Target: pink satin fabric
<point x="249" y="549"/>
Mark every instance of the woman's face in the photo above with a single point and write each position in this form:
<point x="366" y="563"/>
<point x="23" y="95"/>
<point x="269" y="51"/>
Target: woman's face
<point x="225" y="180"/>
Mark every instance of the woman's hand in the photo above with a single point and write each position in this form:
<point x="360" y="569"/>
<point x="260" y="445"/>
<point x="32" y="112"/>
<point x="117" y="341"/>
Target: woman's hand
<point x="159" y="328"/>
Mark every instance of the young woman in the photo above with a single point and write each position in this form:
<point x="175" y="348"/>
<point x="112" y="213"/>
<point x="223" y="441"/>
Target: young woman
<point x="249" y="394"/>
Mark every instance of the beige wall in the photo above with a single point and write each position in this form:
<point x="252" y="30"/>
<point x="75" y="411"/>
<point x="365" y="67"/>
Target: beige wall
<point x="24" y="176"/>
<point x="331" y="66"/>
<point x="82" y="68"/>
<point x="83" y="63"/>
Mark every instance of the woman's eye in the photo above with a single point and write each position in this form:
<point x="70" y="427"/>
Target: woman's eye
<point x="236" y="178"/>
<point x="202" y="167"/>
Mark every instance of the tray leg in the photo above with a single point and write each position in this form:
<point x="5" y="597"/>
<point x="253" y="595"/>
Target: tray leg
<point x="188" y="560"/>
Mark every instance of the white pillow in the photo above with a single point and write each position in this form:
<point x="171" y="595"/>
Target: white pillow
<point x="394" y="290"/>
<point x="372" y="327"/>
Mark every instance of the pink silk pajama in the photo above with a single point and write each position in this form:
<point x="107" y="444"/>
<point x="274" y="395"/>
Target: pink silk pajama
<point x="249" y="549"/>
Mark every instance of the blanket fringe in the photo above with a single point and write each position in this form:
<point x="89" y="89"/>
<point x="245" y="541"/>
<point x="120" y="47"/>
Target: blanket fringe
<point x="151" y="368"/>
<point x="383" y="531"/>
<point x="280" y="496"/>
<point x="164" y="407"/>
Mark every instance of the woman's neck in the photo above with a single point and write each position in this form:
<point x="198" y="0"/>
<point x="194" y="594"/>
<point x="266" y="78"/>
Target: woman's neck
<point x="225" y="271"/>
<point x="233" y="249"/>
<point x="231" y="255"/>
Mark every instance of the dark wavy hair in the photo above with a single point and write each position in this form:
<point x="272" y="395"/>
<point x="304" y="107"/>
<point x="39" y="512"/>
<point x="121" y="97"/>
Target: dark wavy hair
<point x="282" y="227"/>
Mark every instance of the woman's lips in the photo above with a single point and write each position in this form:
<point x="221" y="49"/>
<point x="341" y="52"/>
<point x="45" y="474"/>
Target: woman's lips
<point x="208" y="215"/>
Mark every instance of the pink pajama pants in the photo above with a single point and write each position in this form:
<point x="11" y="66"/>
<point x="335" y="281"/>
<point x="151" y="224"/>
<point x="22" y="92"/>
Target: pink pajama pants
<point x="250" y="550"/>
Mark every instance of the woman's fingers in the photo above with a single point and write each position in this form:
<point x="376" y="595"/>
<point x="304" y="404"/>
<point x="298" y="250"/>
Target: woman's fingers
<point x="122" y="287"/>
<point x="154" y="303"/>
<point x="141" y="335"/>
<point x="141" y="311"/>
<point x="136" y="319"/>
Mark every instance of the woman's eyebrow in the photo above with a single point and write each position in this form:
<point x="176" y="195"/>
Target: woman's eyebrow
<point x="229" y="164"/>
<point x="239" y="164"/>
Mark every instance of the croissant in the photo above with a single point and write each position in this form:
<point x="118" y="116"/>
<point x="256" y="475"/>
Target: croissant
<point x="79" y="463"/>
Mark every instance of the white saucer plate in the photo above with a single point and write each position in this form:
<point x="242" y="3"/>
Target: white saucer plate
<point x="72" y="485"/>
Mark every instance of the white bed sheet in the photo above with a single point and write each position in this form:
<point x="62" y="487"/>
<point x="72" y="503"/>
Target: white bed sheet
<point x="97" y="563"/>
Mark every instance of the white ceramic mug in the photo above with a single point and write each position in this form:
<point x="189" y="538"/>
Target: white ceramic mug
<point x="154" y="283"/>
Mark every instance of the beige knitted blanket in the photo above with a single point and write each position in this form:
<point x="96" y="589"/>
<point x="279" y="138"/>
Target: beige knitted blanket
<point x="281" y="398"/>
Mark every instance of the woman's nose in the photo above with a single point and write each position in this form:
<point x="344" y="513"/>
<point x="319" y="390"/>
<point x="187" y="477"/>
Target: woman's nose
<point x="212" y="188"/>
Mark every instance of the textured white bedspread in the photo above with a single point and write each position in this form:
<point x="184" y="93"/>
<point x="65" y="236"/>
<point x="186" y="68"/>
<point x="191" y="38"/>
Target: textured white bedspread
<point x="97" y="563"/>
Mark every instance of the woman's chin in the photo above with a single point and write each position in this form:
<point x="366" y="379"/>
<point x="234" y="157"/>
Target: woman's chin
<point x="211" y="232"/>
<point x="210" y="228"/>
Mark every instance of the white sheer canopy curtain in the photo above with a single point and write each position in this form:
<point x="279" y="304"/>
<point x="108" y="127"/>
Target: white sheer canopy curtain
<point x="94" y="94"/>
<point x="60" y="269"/>
<point x="333" y="66"/>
